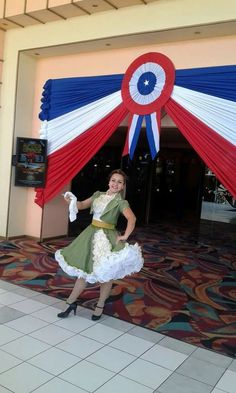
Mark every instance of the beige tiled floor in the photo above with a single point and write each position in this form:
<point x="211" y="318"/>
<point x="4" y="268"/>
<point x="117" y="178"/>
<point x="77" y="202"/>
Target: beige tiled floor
<point x="44" y="354"/>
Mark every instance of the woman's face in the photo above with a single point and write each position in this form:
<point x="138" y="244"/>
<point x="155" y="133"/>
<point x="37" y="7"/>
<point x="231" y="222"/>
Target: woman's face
<point x="116" y="183"/>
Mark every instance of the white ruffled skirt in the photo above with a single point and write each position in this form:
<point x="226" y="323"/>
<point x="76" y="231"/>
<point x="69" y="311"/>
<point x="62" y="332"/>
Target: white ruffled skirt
<point x="107" y="263"/>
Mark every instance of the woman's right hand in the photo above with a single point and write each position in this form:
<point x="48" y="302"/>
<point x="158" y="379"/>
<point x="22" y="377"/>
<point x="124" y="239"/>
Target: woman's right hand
<point x="67" y="198"/>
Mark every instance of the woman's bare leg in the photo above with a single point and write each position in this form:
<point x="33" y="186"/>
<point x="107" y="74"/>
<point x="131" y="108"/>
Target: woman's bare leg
<point x="79" y="286"/>
<point x="105" y="289"/>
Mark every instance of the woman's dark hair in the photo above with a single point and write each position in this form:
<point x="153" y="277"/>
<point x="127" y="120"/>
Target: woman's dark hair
<point x="119" y="172"/>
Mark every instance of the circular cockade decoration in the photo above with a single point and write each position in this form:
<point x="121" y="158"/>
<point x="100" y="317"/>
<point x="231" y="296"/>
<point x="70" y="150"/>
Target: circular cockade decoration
<point x="148" y="83"/>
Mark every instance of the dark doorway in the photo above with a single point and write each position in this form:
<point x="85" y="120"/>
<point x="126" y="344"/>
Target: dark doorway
<point x="169" y="187"/>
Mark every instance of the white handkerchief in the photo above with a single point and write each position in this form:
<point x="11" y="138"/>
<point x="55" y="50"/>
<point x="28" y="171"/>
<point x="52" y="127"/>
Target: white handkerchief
<point x="73" y="209"/>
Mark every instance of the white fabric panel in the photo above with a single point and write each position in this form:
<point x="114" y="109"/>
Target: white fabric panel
<point x="132" y="128"/>
<point x="65" y="128"/>
<point x="217" y="113"/>
<point x="155" y="130"/>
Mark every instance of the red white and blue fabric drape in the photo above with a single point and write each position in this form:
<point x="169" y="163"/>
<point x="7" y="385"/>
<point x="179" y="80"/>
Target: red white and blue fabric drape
<point x="203" y="106"/>
<point x="79" y="114"/>
<point x="146" y="87"/>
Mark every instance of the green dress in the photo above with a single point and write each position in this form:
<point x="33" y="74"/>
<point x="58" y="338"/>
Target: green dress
<point x="94" y="255"/>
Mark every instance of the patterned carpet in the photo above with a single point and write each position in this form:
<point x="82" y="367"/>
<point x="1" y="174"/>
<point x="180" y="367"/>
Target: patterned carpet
<point x="187" y="289"/>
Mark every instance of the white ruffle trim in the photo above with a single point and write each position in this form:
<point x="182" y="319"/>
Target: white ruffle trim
<point x="72" y="270"/>
<point x="101" y="247"/>
<point x="119" y="263"/>
<point x="115" y="266"/>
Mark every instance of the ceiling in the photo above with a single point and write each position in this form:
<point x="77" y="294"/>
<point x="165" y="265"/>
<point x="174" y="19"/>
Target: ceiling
<point x="30" y="13"/>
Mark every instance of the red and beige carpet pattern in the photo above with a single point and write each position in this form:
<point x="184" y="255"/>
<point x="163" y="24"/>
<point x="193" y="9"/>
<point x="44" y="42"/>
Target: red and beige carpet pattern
<point x="186" y="290"/>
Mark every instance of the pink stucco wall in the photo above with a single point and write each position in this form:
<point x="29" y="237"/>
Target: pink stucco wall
<point x="186" y="54"/>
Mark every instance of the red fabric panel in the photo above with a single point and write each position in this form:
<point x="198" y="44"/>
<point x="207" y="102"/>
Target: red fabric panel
<point x="218" y="154"/>
<point x="66" y="162"/>
<point x="126" y="146"/>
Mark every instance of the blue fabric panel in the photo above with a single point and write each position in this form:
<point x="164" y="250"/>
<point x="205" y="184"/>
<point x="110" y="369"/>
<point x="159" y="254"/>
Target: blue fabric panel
<point x="136" y="136"/>
<point x="150" y="136"/>
<point x="61" y="96"/>
<point x="216" y="81"/>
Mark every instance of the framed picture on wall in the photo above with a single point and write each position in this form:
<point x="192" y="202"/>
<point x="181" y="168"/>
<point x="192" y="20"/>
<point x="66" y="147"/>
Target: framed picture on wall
<point x="31" y="162"/>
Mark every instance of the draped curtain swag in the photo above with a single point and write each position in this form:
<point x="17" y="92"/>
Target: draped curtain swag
<point x="78" y="115"/>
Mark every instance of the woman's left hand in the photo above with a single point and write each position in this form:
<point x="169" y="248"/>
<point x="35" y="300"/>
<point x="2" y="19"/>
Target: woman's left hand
<point x="121" y="239"/>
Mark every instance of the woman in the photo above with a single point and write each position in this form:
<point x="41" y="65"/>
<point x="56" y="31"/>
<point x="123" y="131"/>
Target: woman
<point x="100" y="254"/>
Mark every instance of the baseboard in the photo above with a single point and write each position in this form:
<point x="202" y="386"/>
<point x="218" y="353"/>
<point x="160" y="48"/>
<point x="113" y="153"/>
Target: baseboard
<point x="23" y="237"/>
<point x="53" y="237"/>
<point x="37" y="239"/>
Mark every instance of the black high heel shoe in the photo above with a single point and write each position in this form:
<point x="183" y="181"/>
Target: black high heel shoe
<point x="97" y="317"/>
<point x="66" y="313"/>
